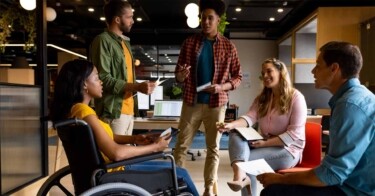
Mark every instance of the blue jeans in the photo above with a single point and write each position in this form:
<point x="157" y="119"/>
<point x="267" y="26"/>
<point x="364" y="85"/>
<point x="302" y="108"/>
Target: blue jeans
<point x="276" y="157"/>
<point x="156" y="165"/>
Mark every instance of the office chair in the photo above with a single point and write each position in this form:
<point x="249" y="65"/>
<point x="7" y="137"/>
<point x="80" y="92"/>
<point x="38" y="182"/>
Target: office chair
<point x="88" y="169"/>
<point x="312" y="153"/>
<point x="190" y="151"/>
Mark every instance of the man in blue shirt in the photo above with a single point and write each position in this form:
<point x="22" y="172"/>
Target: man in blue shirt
<point x="349" y="166"/>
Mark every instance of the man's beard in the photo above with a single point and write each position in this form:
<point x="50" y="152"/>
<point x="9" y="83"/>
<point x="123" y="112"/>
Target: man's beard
<point x="124" y="28"/>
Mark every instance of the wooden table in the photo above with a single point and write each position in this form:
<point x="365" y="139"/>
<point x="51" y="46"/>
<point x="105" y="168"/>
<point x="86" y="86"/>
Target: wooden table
<point x="143" y="123"/>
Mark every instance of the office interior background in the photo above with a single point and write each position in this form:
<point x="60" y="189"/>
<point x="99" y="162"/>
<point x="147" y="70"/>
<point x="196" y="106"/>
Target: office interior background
<point x="61" y="30"/>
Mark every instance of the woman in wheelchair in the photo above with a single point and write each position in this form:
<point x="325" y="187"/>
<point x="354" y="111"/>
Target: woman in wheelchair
<point x="76" y="85"/>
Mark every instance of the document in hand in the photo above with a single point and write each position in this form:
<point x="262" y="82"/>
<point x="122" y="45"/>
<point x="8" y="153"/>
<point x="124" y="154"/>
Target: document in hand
<point x="249" y="133"/>
<point x="255" y="167"/>
<point x="170" y="132"/>
<point x="158" y="82"/>
<point x="202" y="87"/>
<point x="166" y="132"/>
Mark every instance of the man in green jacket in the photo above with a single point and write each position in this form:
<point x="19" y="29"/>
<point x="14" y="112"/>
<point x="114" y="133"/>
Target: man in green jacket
<point x="111" y="54"/>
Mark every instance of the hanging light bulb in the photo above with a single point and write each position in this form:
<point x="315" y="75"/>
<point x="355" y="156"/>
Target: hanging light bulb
<point x="191" y="9"/>
<point x="28" y="4"/>
<point x="193" y="21"/>
<point x="50" y="14"/>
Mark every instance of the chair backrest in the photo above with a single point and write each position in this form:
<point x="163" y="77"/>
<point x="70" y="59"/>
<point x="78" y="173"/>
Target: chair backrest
<point x="312" y="154"/>
<point x="81" y="150"/>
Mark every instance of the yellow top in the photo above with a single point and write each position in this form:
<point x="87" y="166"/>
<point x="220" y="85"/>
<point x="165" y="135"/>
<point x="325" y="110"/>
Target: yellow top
<point x="128" y="103"/>
<point x="81" y="111"/>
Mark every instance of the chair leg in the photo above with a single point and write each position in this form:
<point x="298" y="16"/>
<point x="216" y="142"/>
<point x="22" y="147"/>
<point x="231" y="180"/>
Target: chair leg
<point x="192" y="155"/>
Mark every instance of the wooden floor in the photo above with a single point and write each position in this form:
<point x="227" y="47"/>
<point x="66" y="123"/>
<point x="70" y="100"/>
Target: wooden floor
<point x="195" y="169"/>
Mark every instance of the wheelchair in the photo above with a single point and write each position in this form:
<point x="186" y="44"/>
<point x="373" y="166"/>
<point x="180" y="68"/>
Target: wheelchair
<point x="90" y="174"/>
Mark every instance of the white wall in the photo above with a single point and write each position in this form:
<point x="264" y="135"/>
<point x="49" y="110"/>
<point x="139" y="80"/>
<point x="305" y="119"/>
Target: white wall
<point x="252" y="53"/>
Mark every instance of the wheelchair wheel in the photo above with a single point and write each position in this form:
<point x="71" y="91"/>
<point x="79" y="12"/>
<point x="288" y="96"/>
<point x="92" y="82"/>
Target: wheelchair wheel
<point x="114" y="189"/>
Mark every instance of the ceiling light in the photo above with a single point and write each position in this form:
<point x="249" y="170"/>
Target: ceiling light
<point x="191" y="9"/>
<point x="133" y="10"/>
<point x="192" y="22"/>
<point x="68" y="10"/>
<point x="91" y="9"/>
<point x="50" y="14"/>
<point x="280" y="10"/>
<point x="272" y="19"/>
<point x="234" y="18"/>
<point x="139" y="19"/>
<point x="28" y="4"/>
<point x="137" y="62"/>
<point x="238" y="9"/>
<point x="102" y="18"/>
<point x="285" y="3"/>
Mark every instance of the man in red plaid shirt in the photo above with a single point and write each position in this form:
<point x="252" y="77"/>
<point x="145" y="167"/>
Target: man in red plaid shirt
<point x="209" y="67"/>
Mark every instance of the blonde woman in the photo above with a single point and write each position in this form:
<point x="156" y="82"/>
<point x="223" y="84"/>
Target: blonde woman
<point x="280" y="111"/>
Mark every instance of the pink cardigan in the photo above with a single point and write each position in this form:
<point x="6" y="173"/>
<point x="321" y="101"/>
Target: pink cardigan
<point x="289" y="127"/>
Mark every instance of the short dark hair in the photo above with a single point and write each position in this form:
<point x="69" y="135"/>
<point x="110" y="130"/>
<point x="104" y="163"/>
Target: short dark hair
<point x="69" y="87"/>
<point x="217" y="5"/>
<point x="114" y="8"/>
<point x="347" y="55"/>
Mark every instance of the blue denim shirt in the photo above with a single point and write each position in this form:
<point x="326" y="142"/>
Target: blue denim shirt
<point x="350" y="162"/>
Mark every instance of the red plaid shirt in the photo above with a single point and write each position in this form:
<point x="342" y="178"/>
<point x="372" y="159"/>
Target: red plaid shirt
<point x="227" y="67"/>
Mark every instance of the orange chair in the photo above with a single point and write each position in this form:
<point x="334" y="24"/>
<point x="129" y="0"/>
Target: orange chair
<point x="312" y="154"/>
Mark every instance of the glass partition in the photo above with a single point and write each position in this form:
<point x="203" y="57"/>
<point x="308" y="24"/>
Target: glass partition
<point x="21" y="136"/>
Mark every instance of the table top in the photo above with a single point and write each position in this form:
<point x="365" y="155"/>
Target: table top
<point x="143" y="123"/>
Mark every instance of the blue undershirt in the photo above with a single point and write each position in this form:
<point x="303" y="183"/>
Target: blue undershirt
<point x="205" y="69"/>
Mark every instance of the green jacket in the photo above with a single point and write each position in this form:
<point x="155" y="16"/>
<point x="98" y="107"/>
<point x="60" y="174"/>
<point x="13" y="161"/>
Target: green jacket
<point x="108" y="56"/>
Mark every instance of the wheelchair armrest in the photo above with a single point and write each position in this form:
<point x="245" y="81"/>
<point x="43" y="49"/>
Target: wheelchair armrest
<point x="137" y="159"/>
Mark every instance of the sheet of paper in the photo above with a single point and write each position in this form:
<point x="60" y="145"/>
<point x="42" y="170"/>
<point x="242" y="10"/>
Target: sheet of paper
<point x="249" y="133"/>
<point x="255" y="167"/>
<point x="158" y="82"/>
<point x="201" y="87"/>
<point x="166" y="132"/>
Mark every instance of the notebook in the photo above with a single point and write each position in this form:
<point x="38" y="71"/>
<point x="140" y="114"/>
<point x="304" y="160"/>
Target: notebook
<point x="167" y="110"/>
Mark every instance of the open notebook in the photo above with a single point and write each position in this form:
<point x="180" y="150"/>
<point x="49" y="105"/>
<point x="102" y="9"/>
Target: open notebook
<point x="167" y="110"/>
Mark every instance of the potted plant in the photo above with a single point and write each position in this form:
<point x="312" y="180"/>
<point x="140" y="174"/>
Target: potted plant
<point x="15" y="18"/>
<point x="223" y="23"/>
<point x="174" y="91"/>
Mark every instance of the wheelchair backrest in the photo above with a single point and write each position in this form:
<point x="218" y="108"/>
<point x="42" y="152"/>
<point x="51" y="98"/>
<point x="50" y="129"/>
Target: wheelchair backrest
<point x="81" y="150"/>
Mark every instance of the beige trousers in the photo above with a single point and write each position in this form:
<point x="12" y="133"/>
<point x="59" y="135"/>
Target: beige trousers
<point x="190" y="120"/>
<point x="121" y="126"/>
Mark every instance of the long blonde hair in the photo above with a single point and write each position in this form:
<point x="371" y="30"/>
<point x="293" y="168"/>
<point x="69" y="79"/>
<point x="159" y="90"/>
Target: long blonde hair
<point x="285" y="87"/>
